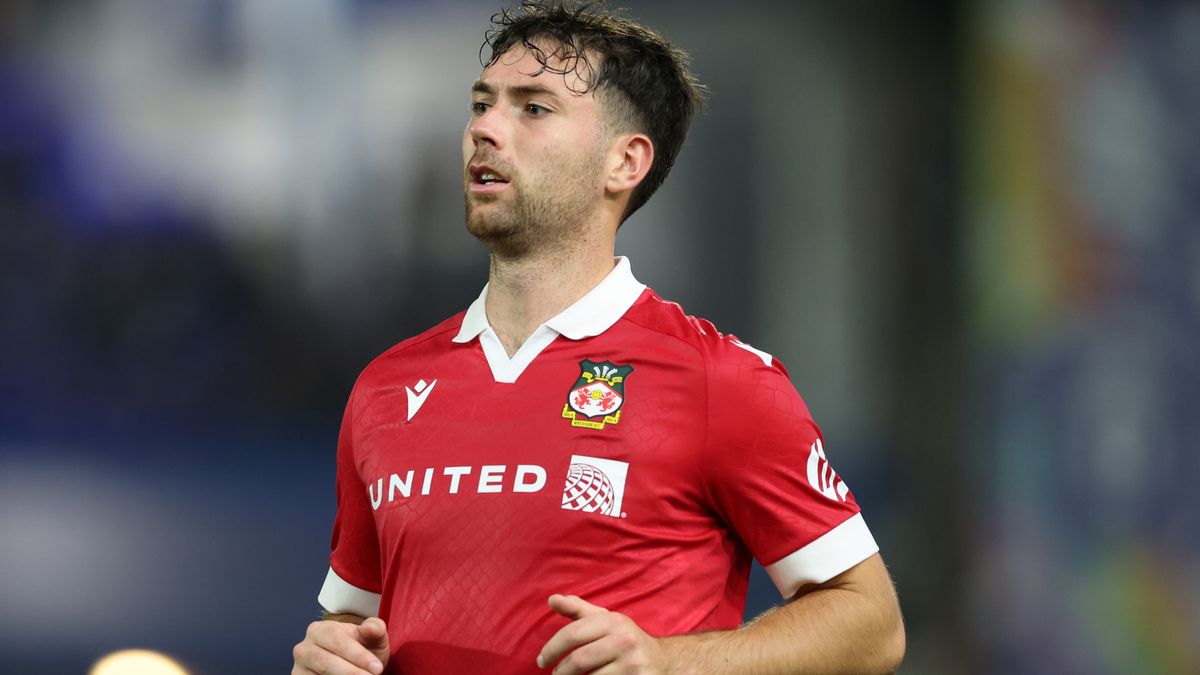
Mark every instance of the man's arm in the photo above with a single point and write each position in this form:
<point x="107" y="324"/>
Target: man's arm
<point x="849" y="624"/>
<point x="342" y="644"/>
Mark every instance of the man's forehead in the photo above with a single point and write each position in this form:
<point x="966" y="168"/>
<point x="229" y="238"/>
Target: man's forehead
<point x="521" y="66"/>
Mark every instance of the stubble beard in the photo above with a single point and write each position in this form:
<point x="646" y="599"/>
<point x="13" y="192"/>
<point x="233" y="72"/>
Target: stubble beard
<point x="542" y="215"/>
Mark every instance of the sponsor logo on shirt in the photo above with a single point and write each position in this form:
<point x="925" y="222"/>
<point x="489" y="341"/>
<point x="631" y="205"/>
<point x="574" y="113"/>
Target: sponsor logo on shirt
<point x="598" y="394"/>
<point x="821" y="475"/>
<point x="595" y="485"/>
<point x="489" y="478"/>
<point x="416" y="398"/>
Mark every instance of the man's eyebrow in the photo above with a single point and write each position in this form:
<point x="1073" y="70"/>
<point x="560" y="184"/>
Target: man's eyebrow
<point x="533" y="89"/>
<point x="481" y="87"/>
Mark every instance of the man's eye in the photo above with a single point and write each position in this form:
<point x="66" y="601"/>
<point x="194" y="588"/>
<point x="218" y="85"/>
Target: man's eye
<point x="479" y="107"/>
<point x="535" y="109"/>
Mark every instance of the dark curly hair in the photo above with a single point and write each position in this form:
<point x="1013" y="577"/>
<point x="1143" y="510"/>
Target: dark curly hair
<point x="642" y="82"/>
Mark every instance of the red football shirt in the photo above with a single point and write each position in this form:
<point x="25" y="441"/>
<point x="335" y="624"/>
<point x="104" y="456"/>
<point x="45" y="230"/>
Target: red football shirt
<point x="627" y="453"/>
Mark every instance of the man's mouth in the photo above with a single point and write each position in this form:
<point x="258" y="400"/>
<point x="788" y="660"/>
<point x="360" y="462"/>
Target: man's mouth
<point x="486" y="179"/>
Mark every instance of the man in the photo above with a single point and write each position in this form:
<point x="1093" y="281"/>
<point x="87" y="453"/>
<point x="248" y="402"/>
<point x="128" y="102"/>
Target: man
<point x="573" y="474"/>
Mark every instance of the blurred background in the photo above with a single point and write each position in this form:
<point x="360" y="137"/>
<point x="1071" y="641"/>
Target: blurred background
<point x="971" y="231"/>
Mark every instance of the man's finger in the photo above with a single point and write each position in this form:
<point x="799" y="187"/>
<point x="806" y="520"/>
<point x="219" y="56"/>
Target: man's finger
<point x="311" y="658"/>
<point x="593" y="657"/>
<point x="373" y="634"/>
<point x="573" y="606"/>
<point x="342" y="640"/>
<point x="571" y="636"/>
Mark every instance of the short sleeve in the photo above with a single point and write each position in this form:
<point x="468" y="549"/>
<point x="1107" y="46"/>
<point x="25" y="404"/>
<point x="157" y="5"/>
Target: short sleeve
<point x="352" y="584"/>
<point x="769" y="477"/>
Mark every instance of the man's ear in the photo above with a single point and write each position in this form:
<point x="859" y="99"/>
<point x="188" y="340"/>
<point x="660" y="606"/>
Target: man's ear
<point x="630" y="160"/>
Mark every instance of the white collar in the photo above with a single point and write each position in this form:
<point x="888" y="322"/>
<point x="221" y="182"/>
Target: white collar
<point x="590" y="315"/>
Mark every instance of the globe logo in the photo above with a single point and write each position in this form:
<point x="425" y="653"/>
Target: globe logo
<point x="588" y="489"/>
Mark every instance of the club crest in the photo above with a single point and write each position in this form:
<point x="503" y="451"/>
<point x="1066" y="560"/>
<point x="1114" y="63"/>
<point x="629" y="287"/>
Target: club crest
<point x="598" y="395"/>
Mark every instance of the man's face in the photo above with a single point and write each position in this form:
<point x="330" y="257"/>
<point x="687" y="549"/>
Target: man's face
<point x="533" y="156"/>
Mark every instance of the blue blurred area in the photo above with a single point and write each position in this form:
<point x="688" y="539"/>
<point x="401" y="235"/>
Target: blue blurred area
<point x="195" y="545"/>
<point x="970" y="230"/>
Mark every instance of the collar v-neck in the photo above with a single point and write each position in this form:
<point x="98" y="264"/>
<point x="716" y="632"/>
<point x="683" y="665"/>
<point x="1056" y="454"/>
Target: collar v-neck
<point x="590" y="315"/>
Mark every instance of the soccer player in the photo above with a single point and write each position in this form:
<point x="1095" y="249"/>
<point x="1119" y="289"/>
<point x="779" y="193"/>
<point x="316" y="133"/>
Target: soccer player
<point x="573" y="473"/>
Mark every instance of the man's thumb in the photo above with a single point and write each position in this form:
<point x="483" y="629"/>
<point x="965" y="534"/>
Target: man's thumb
<point x="373" y="634"/>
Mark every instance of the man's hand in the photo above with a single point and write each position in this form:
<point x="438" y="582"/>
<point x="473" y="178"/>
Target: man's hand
<point x="600" y="641"/>
<point x="339" y="648"/>
<point x="848" y="624"/>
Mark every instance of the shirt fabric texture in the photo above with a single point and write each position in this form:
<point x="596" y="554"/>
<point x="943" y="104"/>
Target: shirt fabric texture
<point x="628" y="454"/>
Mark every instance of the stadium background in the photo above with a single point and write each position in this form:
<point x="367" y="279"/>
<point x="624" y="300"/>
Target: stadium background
<point x="971" y="230"/>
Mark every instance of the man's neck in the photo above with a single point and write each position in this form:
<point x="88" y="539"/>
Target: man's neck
<point x="524" y="293"/>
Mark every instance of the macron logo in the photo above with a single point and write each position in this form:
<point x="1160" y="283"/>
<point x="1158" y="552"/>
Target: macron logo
<point x="416" y="399"/>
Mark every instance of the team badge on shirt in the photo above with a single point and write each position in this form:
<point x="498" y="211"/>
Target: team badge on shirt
<point x="598" y="395"/>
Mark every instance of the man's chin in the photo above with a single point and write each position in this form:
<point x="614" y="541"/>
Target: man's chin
<point x="480" y="207"/>
<point x="487" y="226"/>
<point x="499" y="235"/>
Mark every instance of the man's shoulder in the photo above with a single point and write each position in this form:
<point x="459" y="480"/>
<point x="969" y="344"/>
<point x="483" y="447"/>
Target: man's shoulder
<point x="743" y="382"/>
<point x="667" y="318"/>
<point x="429" y="343"/>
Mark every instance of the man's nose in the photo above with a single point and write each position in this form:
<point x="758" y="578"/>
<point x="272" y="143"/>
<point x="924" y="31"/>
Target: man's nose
<point x="488" y="127"/>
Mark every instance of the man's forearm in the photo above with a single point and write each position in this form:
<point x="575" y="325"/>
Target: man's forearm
<point x="839" y="629"/>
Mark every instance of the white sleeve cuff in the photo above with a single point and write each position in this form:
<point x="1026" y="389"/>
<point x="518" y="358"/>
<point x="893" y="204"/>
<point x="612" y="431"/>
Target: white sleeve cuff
<point x="339" y="596"/>
<point x="826" y="557"/>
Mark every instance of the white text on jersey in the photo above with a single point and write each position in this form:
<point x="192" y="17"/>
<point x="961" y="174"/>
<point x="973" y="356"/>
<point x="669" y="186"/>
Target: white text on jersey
<point x="489" y="479"/>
